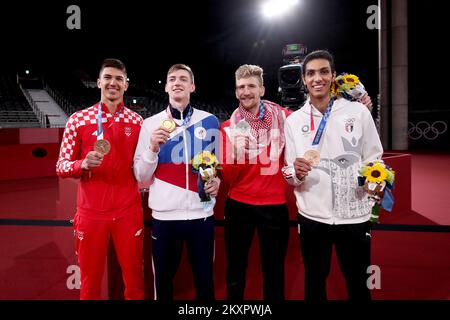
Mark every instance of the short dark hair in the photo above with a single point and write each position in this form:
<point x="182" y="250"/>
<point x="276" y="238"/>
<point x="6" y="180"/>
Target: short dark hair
<point x="113" y="63"/>
<point x="319" y="54"/>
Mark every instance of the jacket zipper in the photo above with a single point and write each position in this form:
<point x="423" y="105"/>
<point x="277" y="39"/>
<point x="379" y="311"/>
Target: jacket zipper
<point x="186" y="164"/>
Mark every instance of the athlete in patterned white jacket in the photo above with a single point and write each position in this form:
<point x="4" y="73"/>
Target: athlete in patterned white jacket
<point x="332" y="207"/>
<point x="108" y="203"/>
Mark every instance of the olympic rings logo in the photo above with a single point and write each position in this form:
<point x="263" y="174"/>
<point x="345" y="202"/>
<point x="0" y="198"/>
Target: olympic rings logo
<point x="423" y="129"/>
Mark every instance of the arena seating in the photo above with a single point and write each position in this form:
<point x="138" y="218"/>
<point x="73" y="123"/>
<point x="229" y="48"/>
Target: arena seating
<point x="72" y="95"/>
<point x="14" y="108"/>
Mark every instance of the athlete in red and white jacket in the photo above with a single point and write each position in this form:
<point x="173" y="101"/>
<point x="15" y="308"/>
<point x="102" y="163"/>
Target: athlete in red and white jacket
<point x="104" y="191"/>
<point x="108" y="202"/>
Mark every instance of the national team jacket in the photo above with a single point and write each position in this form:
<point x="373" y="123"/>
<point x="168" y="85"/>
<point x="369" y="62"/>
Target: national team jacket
<point x="109" y="191"/>
<point x="330" y="192"/>
<point x="256" y="183"/>
<point x="173" y="192"/>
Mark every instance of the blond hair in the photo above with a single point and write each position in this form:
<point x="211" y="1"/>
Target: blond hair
<point x="250" y="70"/>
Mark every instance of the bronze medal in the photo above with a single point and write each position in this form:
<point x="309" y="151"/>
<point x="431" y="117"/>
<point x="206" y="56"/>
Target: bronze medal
<point x="169" y="124"/>
<point x="102" y="146"/>
<point x="313" y="157"/>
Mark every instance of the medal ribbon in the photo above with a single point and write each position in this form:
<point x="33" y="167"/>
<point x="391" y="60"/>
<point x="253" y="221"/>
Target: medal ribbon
<point x="322" y="124"/>
<point x="261" y="111"/>
<point x="311" y="122"/>
<point x="185" y="120"/>
<point x="99" y="120"/>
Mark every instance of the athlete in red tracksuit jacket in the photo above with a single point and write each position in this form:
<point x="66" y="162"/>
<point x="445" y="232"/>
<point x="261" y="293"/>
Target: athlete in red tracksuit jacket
<point x="108" y="203"/>
<point x="252" y="158"/>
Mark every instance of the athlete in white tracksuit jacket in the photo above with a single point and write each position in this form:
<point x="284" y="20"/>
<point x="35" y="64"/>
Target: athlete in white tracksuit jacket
<point x="330" y="193"/>
<point x="163" y="160"/>
<point x="333" y="209"/>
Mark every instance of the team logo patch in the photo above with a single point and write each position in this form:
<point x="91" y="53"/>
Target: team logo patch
<point x="349" y="125"/>
<point x="200" y="133"/>
<point x="128" y="131"/>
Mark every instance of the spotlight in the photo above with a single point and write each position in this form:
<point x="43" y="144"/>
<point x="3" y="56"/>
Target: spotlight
<point x="274" y="8"/>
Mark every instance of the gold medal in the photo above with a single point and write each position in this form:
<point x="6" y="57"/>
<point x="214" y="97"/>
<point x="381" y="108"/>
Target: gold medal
<point x="102" y="146"/>
<point x="313" y="157"/>
<point x="168" y="124"/>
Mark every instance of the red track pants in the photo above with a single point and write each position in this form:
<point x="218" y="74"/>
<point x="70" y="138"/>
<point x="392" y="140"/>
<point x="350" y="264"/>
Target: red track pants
<point x="92" y="238"/>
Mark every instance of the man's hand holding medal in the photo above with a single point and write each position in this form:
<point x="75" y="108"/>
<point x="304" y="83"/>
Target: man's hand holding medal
<point x="241" y="139"/>
<point x="101" y="146"/>
<point x="158" y="137"/>
<point x="241" y="145"/>
<point x="303" y="166"/>
<point x="93" y="160"/>
<point x="162" y="134"/>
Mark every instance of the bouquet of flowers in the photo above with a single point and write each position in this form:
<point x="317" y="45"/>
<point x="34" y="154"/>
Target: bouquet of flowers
<point x="377" y="179"/>
<point x="348" y="86"/>
<point x="206" y="165"/>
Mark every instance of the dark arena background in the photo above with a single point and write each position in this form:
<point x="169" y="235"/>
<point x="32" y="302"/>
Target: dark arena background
<point x="51" y="53"/>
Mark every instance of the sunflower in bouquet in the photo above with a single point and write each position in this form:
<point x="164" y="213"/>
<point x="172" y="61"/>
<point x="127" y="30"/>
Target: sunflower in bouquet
<point x="206" y="165"/>
<point x="348" y="86"/>
<point x="377" y="179"/>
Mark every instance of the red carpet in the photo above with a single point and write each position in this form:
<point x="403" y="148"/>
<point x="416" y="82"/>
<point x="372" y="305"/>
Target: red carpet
<point x="431" y="185"/>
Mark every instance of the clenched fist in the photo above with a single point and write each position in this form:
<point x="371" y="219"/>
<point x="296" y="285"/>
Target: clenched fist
<point x="302" y="168"/>
<point x="93" y="160"/>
